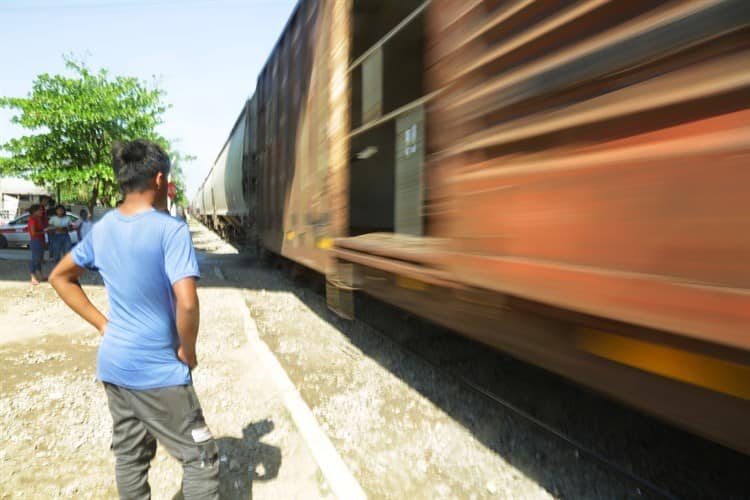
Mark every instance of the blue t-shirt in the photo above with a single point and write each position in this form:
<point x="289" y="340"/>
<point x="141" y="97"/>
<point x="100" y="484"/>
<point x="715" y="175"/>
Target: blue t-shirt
<point x="140" y="257"/>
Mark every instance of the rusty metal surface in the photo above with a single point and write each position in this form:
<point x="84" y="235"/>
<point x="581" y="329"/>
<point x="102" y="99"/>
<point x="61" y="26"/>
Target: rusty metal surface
<point x="250" y="171"/>
<point x="404" y="247"/>
<point x="589" y="159"/>
<point x="575" y="164"/>
<point x="303" y="118"/>
<point x="413" y="271"/>
<point x="302" y="96"/>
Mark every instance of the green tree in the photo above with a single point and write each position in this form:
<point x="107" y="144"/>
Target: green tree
<point x="178" y="176"/>
<point x="72" y="122"/>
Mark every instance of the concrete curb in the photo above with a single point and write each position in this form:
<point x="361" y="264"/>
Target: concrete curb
<point x="339" y="477"/>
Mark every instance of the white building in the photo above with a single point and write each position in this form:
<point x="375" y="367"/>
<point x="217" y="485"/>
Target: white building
<point x="18" y="194"/>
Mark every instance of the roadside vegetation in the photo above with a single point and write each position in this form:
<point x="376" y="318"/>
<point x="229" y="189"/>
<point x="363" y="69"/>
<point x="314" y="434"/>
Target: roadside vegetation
<point x="71" y="121"/>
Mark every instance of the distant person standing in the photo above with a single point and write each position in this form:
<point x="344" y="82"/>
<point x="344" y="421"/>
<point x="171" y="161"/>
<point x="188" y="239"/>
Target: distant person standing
<point x="36" y="243"/>
<point x="60" y="226"/>
<point x="45" y="203"/>
<point x="146" y="357"/>
<point x="85" y="225"/>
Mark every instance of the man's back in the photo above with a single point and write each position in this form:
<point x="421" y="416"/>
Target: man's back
<point x="140" y="257"/>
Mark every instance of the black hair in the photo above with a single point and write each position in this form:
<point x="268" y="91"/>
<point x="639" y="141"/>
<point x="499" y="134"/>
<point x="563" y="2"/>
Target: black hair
<point x="33" y="208"/>
<point x="60" y="205"/>
<point x="83" y="211"/>
<point x="137" y="162"/>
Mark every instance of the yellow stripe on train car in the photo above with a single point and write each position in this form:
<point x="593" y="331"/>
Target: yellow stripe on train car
<point x="324" y="243"/>
<point x="704" y="371"/>
<point x="410" y="283"/>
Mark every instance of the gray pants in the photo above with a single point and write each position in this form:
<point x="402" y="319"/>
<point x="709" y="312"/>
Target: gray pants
<point x="173" y="416"/>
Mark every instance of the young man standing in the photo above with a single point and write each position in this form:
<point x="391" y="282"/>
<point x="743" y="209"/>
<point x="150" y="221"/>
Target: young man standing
<point x="148" y="264"/>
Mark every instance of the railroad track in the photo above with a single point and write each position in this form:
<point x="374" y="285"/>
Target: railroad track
<point x="641" y="484"/>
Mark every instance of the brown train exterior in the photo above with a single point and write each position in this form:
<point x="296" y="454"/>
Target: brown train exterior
<point x="567" y="183"/>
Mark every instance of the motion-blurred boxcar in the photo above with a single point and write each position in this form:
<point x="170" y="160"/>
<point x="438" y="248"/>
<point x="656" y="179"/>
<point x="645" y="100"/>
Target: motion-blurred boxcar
<point x="565" y="181"/>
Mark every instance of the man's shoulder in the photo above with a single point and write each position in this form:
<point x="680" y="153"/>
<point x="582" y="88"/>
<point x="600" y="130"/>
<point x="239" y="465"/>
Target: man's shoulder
<point x="107" y="223"/>
<point x="106" y="218"/>
<point x="152" y="221"/>
<point x="170" y="223"/>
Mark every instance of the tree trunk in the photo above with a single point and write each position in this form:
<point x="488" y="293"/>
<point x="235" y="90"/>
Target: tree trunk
<point x="92" y="200"/>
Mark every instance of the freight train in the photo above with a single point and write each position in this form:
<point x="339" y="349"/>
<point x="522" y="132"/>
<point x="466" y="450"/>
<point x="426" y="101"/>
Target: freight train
<point x="568" y="182"/>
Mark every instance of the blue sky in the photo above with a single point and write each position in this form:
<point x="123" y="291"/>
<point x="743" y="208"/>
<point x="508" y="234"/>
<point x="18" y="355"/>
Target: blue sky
<point x="205" y="54"/>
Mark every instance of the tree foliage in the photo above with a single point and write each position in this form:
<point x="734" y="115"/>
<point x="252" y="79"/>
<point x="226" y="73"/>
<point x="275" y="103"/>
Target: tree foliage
<point x="72" y="122"/>
<point x="178" y="176"/>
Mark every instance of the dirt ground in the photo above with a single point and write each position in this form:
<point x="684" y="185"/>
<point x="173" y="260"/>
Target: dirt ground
<point x="370" y="399"/>
<point x="55" y="426"/>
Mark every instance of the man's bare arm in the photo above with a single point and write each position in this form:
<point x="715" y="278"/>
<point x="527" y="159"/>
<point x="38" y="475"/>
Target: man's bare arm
<point x="188" y="318"/>
<point x="64" y="279"/>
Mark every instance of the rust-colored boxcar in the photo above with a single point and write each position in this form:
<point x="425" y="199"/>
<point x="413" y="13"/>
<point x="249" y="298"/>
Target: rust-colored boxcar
<point x="302" y="99"/>
<point x="565" y="181"/>
<point x="329" y="101"/>
<point x="587" y="198"/>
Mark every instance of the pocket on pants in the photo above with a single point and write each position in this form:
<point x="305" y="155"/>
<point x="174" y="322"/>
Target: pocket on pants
<point x="204" y="451"/>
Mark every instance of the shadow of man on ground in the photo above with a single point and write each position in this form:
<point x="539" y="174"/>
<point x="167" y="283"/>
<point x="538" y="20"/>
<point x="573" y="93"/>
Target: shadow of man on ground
<point x="244" y="460"/>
